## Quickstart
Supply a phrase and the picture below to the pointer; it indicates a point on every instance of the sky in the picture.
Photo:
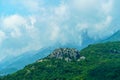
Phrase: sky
(28, 25)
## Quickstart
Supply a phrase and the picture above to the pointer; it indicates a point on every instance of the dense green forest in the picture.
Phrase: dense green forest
(95, 62)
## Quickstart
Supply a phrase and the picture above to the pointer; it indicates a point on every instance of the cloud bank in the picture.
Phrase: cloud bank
(35, 24)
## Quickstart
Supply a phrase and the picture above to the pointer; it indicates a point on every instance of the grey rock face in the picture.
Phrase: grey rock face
(67, 54)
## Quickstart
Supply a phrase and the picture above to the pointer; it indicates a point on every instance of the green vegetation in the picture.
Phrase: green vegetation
(96, 62)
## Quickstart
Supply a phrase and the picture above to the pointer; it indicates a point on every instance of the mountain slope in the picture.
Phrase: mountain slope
(96, 62)
(114, 37)
(21, 61)
(13, 64)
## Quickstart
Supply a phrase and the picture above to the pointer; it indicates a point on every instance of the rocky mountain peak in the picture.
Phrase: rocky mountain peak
(68, 54)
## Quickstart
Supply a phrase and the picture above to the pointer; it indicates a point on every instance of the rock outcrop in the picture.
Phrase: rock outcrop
(67, 54)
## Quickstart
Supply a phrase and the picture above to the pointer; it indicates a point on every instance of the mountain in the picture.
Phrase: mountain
(95, 62)
(114, 37)
(66, 54)
(19, 62)
(13, 64)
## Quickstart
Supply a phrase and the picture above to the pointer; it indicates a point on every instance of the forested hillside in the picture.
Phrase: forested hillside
(95, 62)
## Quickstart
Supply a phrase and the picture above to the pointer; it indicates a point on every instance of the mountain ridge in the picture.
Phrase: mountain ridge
(5, 69)
(94, 60)
(114, 37)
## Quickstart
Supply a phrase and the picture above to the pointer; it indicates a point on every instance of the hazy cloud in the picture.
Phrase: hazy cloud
(63, 23)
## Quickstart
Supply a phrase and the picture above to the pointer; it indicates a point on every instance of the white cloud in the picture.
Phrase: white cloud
(31, 5)
(107, 6)
(61, 10)
(13, 24)
(83, 4)
(64, 23)
(101, 29)
(16, 33)
(55, 32)
(93, 16)
(22, 30)
(82, 26)
(2, 58)
(2, 36)
(13, 21)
